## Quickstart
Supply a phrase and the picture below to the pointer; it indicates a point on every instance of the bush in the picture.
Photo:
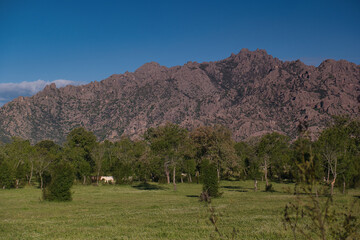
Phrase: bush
(62, 179)
(269, 188)
(210, 180)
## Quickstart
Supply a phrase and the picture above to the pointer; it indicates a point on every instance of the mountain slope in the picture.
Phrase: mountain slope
(251, 93)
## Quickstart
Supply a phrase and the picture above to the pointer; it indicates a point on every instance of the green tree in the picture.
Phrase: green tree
(168, 142)
(7, 176)
(332, 147)
(250, 163)
(216, 145)
(78, 149)
(313, 214)
(17, 157)
(301, 151)
(273, 150)
(109, 157)
(77, 156)
(123, 168)
(44, 154)
(339, 148)
(142, 161)
(98, 154)
(189, 167)
(349, 169)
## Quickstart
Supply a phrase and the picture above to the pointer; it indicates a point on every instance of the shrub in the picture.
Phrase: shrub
(62, 179)
(269, 188)
(210, 180)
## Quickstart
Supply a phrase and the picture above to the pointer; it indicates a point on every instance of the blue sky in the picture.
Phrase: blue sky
(80, 41)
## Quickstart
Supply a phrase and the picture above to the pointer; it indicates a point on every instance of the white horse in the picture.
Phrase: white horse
(107, 179)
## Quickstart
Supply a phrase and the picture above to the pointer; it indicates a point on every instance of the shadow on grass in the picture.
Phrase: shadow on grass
(236, 188)
(232, 187)
(357, 196)
(148, 186)
(269, 191)
(193, 196)
(312, 194)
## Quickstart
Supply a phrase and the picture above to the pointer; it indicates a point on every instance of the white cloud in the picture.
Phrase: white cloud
(9, 91)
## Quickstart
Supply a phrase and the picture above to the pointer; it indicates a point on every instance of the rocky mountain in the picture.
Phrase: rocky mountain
(250, 92)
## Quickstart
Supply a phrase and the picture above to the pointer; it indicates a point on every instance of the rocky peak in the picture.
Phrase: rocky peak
(149, 67)
(246, 53)
(51, 86)
(331, 65)
(150, 70)
(257, 57)
(250, 92)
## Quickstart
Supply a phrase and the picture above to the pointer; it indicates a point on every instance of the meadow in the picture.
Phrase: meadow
(148, 212)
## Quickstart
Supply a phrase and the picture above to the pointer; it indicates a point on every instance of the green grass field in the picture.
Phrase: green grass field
(127, 212)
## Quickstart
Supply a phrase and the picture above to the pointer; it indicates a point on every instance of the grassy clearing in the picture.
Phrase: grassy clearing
(127, 212)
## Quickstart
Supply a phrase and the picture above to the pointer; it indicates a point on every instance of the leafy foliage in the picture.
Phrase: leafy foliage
(7, 177)
(169, 143)
(62, 178)
(313, 214)
(210, 180)
(78, 151)
(215, 144)
(172, 153)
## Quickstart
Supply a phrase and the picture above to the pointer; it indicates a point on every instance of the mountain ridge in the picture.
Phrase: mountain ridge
(250, 92)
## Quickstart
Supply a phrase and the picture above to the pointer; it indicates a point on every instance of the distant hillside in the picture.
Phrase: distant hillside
(252, 93)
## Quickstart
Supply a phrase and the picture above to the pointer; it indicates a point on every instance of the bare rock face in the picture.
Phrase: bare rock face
(251, 93)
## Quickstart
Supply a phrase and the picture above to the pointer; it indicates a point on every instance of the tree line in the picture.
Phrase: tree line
(171, 154)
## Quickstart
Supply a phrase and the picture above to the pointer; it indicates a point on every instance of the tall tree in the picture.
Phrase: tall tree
(353, 178)
(123, 169)
(78, 151)
(6, 174)
(17, 155)
(339, 150)
(215, 144)
(77, 157)
(109, 157)
(168, 142)
(273, 149)
(142, 160)
(44, 154)
(248, 160)
(189, 167)
(97, 154)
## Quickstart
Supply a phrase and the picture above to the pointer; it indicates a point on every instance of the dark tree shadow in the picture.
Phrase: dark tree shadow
(148, 186)
(232, 187)
(270, 191)
(192, 196)
(237, 188)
